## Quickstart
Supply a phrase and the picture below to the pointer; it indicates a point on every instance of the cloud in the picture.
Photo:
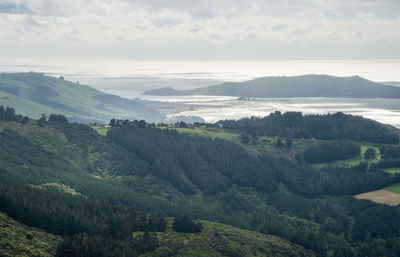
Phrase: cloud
(208, 23)
(14, 7)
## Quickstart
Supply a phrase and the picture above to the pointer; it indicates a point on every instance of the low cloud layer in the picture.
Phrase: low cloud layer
(205, 29)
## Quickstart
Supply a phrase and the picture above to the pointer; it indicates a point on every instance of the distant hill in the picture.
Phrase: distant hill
(392, 83)
(298, 86)
(33, 94)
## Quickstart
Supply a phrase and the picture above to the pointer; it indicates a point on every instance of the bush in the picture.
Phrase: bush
(187, 225)
(244, 138)
(279, 143)
(57, 118)
(370, 154)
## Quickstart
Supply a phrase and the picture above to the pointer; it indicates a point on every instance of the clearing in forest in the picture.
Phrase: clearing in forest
(381, 196)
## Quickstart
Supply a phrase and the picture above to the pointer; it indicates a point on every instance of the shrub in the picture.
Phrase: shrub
(187, 225)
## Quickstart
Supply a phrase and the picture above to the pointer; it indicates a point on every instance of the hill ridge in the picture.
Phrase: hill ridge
(33, 94)
(310, 85)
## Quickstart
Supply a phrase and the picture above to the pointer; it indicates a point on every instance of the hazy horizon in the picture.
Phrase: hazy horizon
(91, 69)
(128, 47)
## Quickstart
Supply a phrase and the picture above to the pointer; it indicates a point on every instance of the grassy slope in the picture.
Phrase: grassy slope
(150, 193)
(222, 240)
(27, 107)
(32, 94)
(215, 240)
(392, 170)
(353, 161)
(394, 188)
(100, 129)
(14, 241)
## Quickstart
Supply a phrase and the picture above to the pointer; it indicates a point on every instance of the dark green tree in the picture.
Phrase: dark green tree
(244, 138)
(42, 120)
(2, 112)
(370, 154)
(187, 225)
(9, 114)
(113, 122)
(57, 118)
(279, 143)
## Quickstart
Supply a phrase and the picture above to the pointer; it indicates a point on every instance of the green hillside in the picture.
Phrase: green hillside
(72, 162)
(298, 86)
(102, 190)
(222, 240)
(19, 240)
(215, 240)
(33, 94)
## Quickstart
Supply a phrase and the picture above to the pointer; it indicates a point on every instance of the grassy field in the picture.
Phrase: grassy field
(100, 129)
(222, 240)
(392, 170)
(19, 240)
(210, 132)
(353, 161)
(395, 188)
(200, 131)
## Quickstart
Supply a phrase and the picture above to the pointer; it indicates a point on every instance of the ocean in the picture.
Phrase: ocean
(130, 78)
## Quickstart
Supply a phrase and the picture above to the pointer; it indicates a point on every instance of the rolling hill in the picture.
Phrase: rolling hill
(215, 240)
(222, 240)
(298, 86)
(101, 191)
(33, 94)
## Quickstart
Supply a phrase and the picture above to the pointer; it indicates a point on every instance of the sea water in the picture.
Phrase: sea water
(130, 78)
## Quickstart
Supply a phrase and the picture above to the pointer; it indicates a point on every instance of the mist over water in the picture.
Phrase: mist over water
(130, 78)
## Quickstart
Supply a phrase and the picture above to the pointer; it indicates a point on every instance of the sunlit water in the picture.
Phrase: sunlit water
(130, 78)
(383, 110)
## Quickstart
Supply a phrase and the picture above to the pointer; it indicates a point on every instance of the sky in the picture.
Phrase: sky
(201, 29)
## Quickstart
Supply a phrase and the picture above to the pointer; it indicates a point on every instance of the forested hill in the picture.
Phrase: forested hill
(135, 190)
(298, 86)
(328, 127)
(33, 94)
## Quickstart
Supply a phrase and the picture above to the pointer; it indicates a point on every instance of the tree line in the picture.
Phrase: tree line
(332, 151)
(8, 114)
(390, 152)
(326, 127)
(193, 163)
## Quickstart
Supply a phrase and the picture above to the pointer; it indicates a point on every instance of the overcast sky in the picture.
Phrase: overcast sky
(201, 29)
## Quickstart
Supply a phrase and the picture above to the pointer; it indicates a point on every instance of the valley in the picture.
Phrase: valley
(56, 174)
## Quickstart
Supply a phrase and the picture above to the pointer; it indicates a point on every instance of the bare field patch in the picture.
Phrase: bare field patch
(381, 196)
